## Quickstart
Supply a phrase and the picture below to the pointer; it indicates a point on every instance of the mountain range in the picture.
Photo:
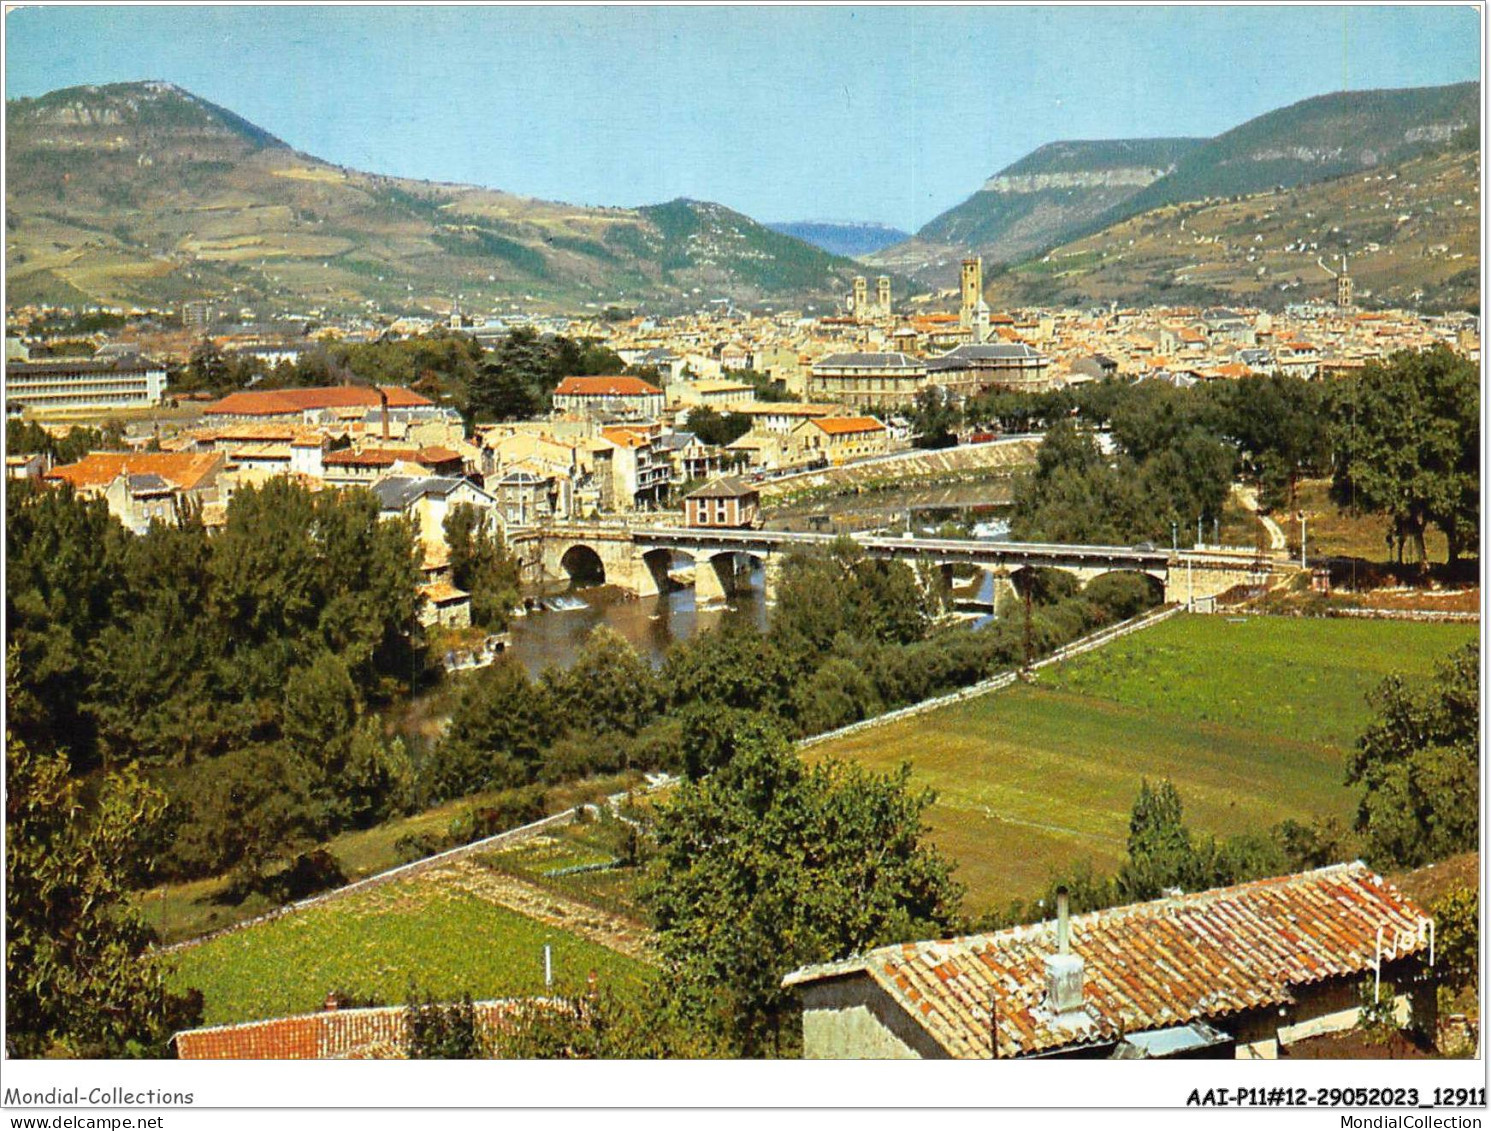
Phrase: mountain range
(143, 193)
(1068, 190)
(840, 237)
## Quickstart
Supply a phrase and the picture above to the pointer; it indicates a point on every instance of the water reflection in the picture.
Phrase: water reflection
(649, 624)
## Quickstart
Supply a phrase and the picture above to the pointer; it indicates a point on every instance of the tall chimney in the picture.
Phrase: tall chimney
(1064, 969)
(1063, 922)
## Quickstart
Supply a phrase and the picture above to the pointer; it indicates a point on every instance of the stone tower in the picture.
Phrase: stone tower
(1343, 287)
(973, 290)
(882, 296)
(861, 298)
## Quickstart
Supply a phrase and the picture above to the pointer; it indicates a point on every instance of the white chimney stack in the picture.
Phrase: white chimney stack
(1064, 969)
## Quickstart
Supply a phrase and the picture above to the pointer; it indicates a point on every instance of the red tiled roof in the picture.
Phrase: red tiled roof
(286, 402)
(340, 1034)
(1147, 965)
(606, 387)
(845, 425)
(184, 470)
(369, 457)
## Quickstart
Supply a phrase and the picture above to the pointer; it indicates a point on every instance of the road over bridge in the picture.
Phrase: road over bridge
(643, 558)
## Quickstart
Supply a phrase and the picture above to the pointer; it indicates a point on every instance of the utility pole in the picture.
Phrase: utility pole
(1029, 649)
(1198, 531)
(1174, 537)
(1302, 540)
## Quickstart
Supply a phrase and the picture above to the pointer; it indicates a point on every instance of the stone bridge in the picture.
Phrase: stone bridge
(648, 560)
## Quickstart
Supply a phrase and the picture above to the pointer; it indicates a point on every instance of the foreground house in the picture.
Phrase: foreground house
(1234, 971)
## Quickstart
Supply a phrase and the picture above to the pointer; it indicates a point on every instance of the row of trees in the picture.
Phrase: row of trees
(240, 672)
(511, 381)
(1400, 439)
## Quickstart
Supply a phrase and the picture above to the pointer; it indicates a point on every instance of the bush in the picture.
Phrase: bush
(308, 873)
(1378, 1020)
(416, 846)
(509, 810)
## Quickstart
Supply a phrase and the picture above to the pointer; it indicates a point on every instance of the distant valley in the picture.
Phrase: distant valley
(842, 238)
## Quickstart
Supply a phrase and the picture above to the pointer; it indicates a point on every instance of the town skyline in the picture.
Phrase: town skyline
(629, 107)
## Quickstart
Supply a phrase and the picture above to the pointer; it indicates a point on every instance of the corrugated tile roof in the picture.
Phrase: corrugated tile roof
(1148, 965)
(184, 470)
(286, 402)
(339, 1034)
(620, 386)
(846, 425)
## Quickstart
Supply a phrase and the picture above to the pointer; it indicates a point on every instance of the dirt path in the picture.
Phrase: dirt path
(597, 926)
(1248, 496)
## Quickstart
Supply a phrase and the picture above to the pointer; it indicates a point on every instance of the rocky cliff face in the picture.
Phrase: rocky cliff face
(1102, 178)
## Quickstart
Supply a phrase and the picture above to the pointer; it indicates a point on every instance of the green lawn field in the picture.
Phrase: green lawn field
(374, 943)
(1251, 718)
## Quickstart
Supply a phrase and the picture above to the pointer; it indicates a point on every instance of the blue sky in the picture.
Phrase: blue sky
(862, 113)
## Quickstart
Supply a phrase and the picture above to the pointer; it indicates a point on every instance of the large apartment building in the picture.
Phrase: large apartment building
(78, 383)
(868, 380)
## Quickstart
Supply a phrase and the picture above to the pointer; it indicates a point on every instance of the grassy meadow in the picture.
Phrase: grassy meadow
(1251, 718)
(446, 941)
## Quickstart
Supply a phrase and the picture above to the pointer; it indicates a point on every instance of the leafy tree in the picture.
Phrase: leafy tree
(1407, 441)
(1160, 851)
(515, 381)
(1419, 765)
(1281, 427)
(207, 369)
(1457, 922)
(770, 863)
(715, 428)
(620, 1022)
(841, 590)
(60, 586)
(498, 733)
(77, 980)
(444, 1030)
(837, 694)
(609, 689)
(246, 810)
(481, 564)
(933, 418)
(734, 666)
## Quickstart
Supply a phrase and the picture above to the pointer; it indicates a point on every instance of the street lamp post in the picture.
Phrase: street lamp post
(1302, 540)
(1174, 537)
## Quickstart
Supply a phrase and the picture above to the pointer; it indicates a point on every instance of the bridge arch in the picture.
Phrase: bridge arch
(724, 573)
(660, 564)
(583, 566)
(1127, 592)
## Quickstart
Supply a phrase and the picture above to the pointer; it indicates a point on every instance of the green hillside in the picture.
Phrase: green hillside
(1411, 233)
(1063, 193)
(143, 193)
(1321, 138)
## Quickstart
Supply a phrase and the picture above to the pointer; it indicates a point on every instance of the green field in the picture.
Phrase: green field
(1250, 718)
(374, 943)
